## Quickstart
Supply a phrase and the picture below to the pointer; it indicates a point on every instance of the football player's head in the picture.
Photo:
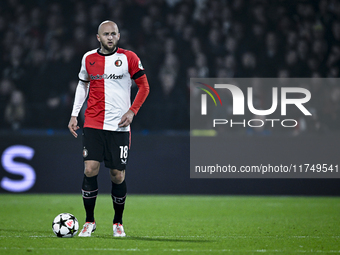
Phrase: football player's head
(108, 36)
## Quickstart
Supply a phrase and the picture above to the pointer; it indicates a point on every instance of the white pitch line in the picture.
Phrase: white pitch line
(175, 250)
(205, 237)
(209, 237)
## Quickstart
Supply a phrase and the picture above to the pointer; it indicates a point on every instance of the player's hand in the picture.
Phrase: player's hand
(126, 119)
(73, 126)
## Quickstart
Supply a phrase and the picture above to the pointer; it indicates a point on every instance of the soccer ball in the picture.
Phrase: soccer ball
(65, 225)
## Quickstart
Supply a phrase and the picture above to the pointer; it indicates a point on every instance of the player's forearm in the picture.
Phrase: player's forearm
(80, 96)
(143, 92)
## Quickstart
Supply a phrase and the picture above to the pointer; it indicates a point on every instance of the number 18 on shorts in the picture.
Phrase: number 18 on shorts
(109, 146)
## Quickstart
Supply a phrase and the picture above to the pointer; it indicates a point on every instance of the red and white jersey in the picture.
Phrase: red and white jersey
(110, 87)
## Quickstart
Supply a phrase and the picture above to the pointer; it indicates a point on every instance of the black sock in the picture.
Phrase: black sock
(89, 192)
(118, 194)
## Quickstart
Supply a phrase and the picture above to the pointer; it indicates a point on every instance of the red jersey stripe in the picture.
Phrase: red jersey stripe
(95, 112)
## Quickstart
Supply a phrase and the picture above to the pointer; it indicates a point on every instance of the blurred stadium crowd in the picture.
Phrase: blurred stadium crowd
(42, 43)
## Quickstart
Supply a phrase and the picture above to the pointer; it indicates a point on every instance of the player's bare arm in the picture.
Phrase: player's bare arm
(126, 119)
(73, 126)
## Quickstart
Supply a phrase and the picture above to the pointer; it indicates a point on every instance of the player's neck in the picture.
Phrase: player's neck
(105, 51)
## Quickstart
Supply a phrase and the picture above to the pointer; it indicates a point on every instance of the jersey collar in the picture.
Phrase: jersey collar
(109, 54)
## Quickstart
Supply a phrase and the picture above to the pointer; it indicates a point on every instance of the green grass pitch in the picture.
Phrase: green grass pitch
(176, 225)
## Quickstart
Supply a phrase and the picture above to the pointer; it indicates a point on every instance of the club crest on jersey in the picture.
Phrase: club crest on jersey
(118, 63)
(85, 153)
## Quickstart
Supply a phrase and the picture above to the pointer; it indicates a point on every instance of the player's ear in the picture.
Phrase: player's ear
(98, 38)
(118, 36)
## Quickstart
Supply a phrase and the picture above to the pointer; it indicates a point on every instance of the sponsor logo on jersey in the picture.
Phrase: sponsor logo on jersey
(92, 63)
(123, 161)
(118, 63)
(106, 76)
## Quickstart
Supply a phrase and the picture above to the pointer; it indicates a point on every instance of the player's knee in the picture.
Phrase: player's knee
(117, 176)
(91, 170)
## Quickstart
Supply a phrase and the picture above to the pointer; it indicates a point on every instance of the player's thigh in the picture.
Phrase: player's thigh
(93, 144)
(117, 150)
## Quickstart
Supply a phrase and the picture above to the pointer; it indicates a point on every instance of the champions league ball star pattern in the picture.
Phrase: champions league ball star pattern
(65, 225)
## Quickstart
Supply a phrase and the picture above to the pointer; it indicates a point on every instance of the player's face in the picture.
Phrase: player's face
(108, 36)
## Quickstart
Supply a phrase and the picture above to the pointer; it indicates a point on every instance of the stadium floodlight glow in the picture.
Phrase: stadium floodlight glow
(18, 168)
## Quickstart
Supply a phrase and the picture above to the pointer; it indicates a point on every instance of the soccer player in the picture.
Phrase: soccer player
(105, 76)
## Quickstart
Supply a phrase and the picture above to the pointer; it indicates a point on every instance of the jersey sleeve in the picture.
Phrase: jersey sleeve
(143, 92)
(135, 65)
(83, 75)
(82, 91)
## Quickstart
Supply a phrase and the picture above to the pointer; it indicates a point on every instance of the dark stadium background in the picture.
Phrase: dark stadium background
(42, 43)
